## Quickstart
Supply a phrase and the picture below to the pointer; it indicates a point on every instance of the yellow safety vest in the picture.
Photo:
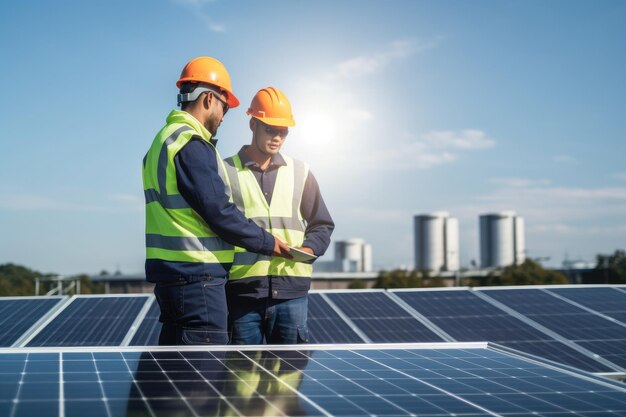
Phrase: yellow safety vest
(281, 217)
(174, 231)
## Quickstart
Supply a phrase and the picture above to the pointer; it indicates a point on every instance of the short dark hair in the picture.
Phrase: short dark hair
(186, 88)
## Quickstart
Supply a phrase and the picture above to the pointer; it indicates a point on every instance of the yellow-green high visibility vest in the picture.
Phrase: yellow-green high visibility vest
(281, 217)
(174, 231)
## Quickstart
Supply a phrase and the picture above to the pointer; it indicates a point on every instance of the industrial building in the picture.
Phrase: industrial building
(501, 240)
(436, 242)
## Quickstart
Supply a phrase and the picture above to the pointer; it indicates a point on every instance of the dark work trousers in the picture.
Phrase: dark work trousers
(254, 321)
(193, 313)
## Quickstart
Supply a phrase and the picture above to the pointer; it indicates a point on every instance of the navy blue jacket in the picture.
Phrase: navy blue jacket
(202, 188)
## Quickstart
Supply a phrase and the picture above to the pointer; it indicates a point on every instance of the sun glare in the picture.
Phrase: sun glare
(316, 128)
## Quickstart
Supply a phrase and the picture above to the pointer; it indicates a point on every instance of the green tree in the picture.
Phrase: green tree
(19, 280)
(398, 278)
(357, 284)
(612, 268)
(527, 273)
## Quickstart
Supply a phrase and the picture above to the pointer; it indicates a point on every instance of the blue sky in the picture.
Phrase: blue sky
(402, 107)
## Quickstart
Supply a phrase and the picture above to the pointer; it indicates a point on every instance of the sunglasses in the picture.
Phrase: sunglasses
(273, 131)
(225, 106)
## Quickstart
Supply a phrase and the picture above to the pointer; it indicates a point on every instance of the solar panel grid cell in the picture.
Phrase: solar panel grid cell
(91, 321)
(609, 301)
(467, 318)
(18, 315)
(381, 319)
(148, 332)
(326, 326)
(586, 329)
(427, 382)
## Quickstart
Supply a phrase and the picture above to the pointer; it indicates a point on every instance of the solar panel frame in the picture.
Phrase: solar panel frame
(59, 325)
(433, 379)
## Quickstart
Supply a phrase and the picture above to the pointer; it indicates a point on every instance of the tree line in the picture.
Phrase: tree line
(609, 269)
(20, 280)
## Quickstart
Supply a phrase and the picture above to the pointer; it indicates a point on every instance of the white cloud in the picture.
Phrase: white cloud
(554, 205)
(28, 202)
(561, 229)
(131, 200)
(465, 139)
(197, 7)
(369, 215)
(518, 182)
(619, 176)
(431, 149)
(372, 63)
(565, 159)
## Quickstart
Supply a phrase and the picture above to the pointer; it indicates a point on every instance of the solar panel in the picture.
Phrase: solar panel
(325, 324)
(18, 314)
(594, 333)
(460, 379)
(148, 332)
(468, 318)
(381, 318)
(608, 301)
(91, 321)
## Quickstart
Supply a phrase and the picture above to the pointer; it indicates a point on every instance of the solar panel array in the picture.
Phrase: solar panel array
(580, 326)
(373, 380)
(467, 317)
(603, 337)
(382, 319)
(19, 314)
(326, 325)
(92, 321)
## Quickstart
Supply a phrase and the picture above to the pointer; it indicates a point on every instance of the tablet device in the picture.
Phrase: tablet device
(300, 255)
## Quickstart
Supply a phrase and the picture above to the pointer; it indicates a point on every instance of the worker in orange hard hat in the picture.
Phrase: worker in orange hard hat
(192, 227)
(267, 297)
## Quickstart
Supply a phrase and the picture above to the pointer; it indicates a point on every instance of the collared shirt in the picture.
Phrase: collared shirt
(319, 223)
(319, 227)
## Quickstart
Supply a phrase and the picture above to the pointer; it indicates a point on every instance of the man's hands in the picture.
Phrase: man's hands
(281, 249)
(307, 250)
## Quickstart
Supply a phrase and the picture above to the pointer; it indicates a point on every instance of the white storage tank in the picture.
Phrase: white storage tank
(353, 255)
(501, 239)
(436, 242)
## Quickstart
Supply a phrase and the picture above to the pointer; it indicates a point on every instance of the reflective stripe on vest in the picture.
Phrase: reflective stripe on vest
(281, 217)
(174, 231)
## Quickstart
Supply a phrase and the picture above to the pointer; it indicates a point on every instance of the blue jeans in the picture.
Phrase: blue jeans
(253, 321)
(193, 313)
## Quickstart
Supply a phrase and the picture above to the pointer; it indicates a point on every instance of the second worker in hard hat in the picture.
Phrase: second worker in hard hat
(267, 297)
(191, 226)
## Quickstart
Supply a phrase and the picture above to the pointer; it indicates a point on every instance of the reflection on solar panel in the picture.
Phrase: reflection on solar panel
(150, 328)
(376, 380)
(326, 326)
(91, 321)
(17, 315)
(609, 301)
(380, 318)
(469, 318)
(595, 333)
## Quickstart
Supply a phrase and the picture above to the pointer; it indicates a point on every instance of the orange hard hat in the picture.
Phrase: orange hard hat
(205, 69)
(271, 106)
